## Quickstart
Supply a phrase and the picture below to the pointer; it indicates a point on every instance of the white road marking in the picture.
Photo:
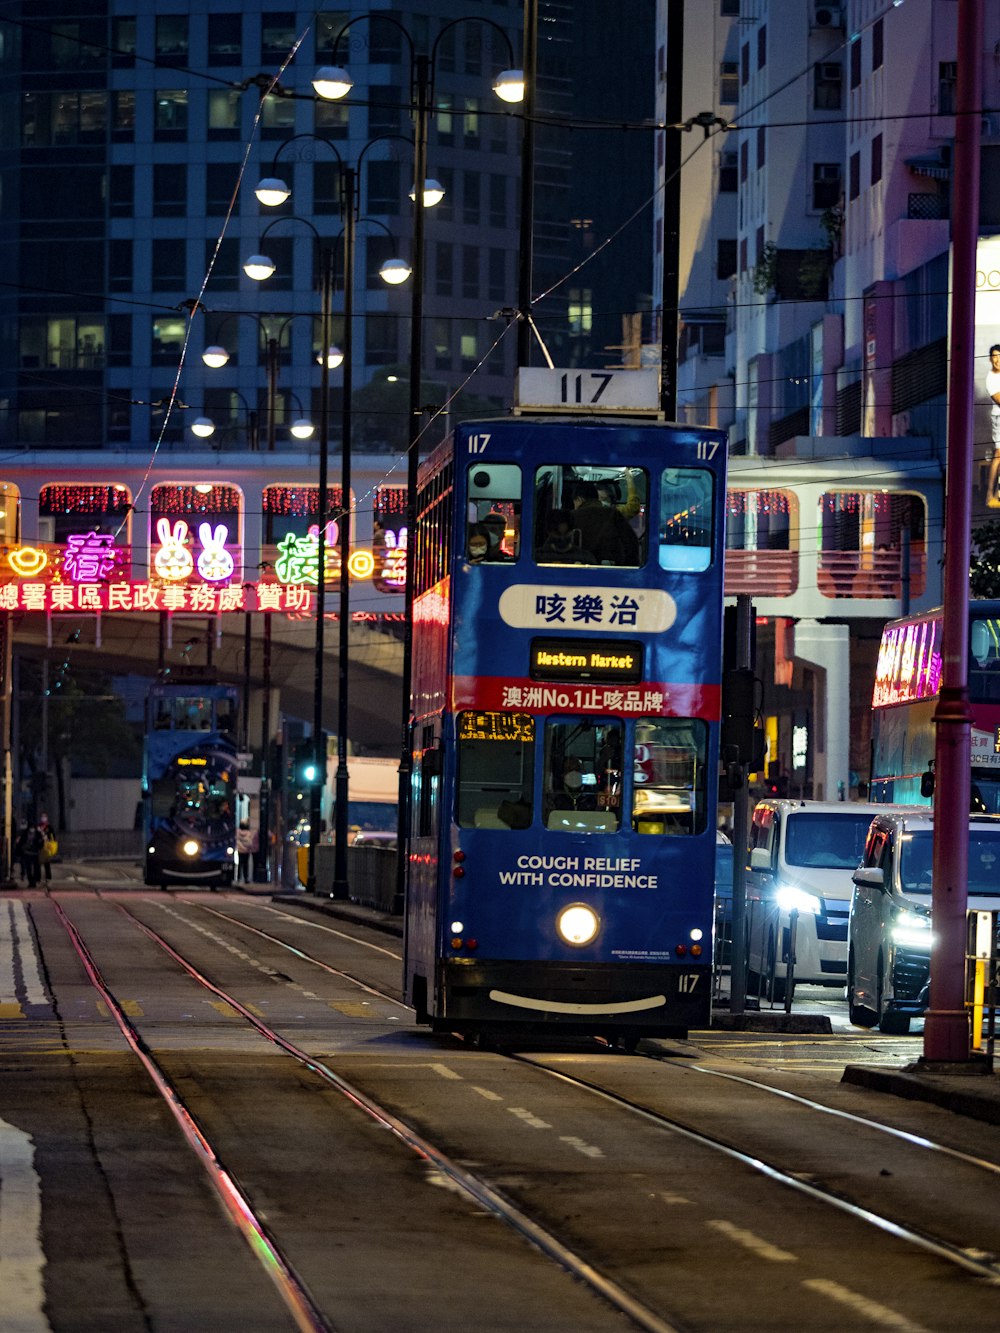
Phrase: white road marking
(528, 1117)
(22, 1259)
(490, 1096)
(343, 934)
(673, 1198)
(8, 991)
(588, 1149)
(869, 1309)
(762, 1248)
(445, 1072)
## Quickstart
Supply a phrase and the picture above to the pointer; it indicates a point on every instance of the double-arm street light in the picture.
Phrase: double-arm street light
(333, 82)
(215, 356)
(259, 267)
(273, 191)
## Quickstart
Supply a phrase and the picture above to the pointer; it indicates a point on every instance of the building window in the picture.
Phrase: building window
(171, 39)
(761, 146)
(62, 344)
(725, 258)
(745, 64)
(498, 200)
(876, 159)
(169, 264)
(729, 8)
(826, 185)
(443, 269)
(122, 42)
(762, 46)
(120, 191)
(277, 37)
(854, 187)
(441, 338)
(743, 254)
(168, 339)
(470, 198)
(326, 185)
(729, 81)
(277, 117)
(169, 189)
(123, 115)
(828, 85)
(744, 160)
(120, 265)
(728, 173)
(497, 281)
(220, 183)
(878, 43)
(856, 62)
(223, 113)
(384, 109)
(468, 342)
(330, 119)
(224, 39)
(580, 311)
(170, 116)
(470, 271)
(947, 86)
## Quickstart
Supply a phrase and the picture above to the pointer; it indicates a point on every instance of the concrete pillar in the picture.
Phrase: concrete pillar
(827, 647)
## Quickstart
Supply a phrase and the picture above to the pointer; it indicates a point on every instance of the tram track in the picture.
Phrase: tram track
(968, 1258)
(292, 1288)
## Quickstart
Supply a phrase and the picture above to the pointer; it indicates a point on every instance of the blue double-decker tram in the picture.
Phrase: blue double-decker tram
(189, 784)
(566, 702)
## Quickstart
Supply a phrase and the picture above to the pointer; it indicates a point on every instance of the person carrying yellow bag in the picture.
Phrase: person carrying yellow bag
(50, 847)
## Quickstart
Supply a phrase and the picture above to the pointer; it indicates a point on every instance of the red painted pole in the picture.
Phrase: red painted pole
(946, 1032)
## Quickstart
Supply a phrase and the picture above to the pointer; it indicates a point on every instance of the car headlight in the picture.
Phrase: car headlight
(912, 930)
(190, 847)
(791, 899)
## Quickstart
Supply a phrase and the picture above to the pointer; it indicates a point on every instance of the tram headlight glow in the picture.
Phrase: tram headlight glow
(578, 924)
(190, 848)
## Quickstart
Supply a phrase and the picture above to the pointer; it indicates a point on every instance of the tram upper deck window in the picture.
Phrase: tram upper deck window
(590, 515)
(668, 776)
(495, 787)
(583, 776)
(686, 519)
(493, 514)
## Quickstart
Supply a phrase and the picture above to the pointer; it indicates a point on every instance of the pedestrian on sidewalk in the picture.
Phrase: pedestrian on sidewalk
(31, 850)
(246, 846)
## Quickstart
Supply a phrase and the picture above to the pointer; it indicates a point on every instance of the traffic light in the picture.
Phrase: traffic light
(304, 769)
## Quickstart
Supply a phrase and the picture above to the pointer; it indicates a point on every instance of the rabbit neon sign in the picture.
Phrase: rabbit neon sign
(174, 562)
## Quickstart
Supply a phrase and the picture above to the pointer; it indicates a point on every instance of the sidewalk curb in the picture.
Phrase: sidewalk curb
(345, 911)
(973, 1095)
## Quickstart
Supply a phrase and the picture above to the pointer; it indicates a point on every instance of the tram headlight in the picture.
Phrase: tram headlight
(578, 924)
(190, 847)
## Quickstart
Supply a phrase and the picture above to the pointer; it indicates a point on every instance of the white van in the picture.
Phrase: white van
(802, 857)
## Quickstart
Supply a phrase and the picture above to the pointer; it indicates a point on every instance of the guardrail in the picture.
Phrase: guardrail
(763, 986)
(982, 979)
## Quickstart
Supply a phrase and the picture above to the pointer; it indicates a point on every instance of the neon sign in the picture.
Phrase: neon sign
(92, 557)
(173, 562)
(27, 561)
(215, 564)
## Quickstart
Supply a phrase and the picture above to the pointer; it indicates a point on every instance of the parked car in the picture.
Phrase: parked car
(802, 856)
(889, 936)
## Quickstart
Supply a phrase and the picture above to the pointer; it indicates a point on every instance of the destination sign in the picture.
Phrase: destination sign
(496, 726)
(583, 659)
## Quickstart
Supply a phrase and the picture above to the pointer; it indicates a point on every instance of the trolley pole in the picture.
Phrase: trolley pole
(946, 1030)
(741, 830)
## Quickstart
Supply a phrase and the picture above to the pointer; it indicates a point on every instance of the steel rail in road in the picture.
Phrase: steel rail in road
(474, 1187)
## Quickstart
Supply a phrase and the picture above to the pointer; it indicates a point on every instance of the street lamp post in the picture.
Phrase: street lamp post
(260, 267)
(333, 83)
(273, 191)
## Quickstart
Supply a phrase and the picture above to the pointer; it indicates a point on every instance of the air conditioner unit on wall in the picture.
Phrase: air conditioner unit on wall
(828, 16)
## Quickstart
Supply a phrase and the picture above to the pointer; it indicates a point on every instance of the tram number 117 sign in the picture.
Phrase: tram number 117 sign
(588, 390)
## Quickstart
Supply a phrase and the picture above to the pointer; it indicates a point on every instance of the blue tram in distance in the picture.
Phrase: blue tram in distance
(189, 784)
(567, 647)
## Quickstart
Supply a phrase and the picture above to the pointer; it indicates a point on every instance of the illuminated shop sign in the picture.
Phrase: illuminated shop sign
(579, 659)
(909, 663)
(197, 598)
(495, 726)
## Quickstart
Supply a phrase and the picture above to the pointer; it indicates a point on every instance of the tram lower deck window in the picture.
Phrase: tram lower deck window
(583, 776)
(668, 776)
(496, 759)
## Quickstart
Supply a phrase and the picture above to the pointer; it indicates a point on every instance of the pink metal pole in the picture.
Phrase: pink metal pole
(946, 1032)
